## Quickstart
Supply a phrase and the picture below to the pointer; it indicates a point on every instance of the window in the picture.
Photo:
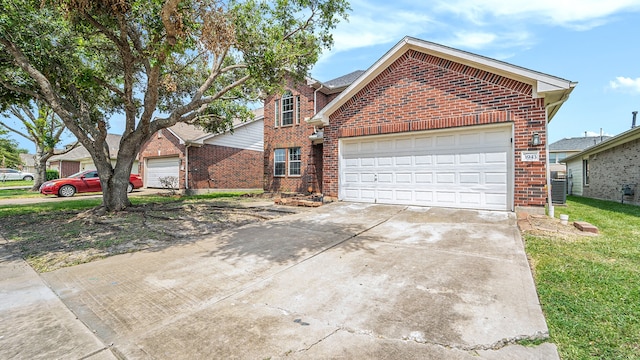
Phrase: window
(585, 169)
(287, 108)
(279, 162)
(294, 161)
(277, 113)
(556, 158)
(298, 109)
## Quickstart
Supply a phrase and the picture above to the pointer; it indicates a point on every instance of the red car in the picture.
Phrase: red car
(84, 181)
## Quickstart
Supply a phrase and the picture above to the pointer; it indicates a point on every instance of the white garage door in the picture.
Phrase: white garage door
(160, 169)
(466, 168)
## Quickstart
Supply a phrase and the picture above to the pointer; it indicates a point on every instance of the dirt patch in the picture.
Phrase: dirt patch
(542, 225)
(55, 240)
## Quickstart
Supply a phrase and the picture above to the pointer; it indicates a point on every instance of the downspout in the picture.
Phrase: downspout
(546, 149)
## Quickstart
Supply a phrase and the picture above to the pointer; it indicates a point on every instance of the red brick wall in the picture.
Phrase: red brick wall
(296, 135)
(166, 145)
(210, 166)
(422, 92)
(221, 167)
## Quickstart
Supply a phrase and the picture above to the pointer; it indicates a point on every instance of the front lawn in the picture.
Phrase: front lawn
(13, 183)
(589, 287)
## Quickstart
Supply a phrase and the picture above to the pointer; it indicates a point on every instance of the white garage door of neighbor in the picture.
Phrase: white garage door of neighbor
(162, 168)
(466, 168)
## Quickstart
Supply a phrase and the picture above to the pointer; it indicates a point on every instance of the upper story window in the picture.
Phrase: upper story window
(287, 110)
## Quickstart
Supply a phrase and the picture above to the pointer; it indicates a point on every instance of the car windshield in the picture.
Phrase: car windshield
(77, 175)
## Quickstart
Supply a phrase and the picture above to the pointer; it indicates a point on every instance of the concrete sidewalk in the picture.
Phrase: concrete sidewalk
(353, 281)
(35, 324)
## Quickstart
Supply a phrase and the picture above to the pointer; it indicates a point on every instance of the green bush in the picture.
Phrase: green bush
(52, 174)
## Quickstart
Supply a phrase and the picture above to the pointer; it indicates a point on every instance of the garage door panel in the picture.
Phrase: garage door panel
(495, 158)
(462, 168)
(496, 178)
(445, 178)
(471, 199)
(423, 160)
(470, 178)
(424, 178)
(404, 178)
(385, 161)
(385, 178)
(161, 168)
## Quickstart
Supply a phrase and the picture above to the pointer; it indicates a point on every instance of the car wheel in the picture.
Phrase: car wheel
(130, 187)
(67, 191)
(28, 178)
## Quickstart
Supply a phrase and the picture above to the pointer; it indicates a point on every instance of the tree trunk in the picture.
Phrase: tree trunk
(114, 183)
(40, 164)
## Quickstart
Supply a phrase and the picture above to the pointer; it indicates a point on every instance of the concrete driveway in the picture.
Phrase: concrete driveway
(342, 281)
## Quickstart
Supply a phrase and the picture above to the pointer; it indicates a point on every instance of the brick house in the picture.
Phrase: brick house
(79, 158)
(425, 125)
(198, 162)
(605, 170)
(566, 147)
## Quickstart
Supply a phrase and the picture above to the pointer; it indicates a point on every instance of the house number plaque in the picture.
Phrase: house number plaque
(530, 156)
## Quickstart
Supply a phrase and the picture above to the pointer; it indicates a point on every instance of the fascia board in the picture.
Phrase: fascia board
(612, 142)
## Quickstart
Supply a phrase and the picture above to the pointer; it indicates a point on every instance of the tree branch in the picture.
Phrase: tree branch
(12, 87)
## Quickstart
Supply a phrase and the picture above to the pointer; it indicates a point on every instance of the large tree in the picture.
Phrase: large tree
(157, 62)
(9, 152)
(43, 128)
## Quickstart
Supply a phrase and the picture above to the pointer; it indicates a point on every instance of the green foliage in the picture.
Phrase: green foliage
(9, 152)
(52, 174)
(588, 286)
(194, 61)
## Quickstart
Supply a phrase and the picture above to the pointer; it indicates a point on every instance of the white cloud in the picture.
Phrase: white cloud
(579, 14)
(625, 84)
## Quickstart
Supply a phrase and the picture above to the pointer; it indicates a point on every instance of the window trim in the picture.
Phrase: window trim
(276, 113)
(585, 172)
(276, 162)
(287, 108)
(290, 153)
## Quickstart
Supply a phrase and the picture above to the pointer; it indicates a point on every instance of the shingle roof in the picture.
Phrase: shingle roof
(344, 80)
(81, 152)
(577, 143)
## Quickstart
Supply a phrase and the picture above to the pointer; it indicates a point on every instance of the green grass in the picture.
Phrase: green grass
(82, 204)
(11, 183)
(18, 193)
(589, 287)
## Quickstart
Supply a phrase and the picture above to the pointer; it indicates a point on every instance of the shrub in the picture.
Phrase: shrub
(52, 174)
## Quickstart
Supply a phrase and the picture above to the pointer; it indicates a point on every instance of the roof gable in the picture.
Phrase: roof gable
(620, 139)
(80, 152)
(553, 89)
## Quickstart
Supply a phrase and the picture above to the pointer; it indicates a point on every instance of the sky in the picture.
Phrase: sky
(592, 42)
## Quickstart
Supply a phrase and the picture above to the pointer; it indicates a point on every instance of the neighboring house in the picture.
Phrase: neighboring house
(425, 125)
(28, 163)
(198, 161)
(560, 149)
(79, 158)
(604, 170)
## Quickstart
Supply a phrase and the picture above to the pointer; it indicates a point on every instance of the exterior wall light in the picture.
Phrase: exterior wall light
(535, 139)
